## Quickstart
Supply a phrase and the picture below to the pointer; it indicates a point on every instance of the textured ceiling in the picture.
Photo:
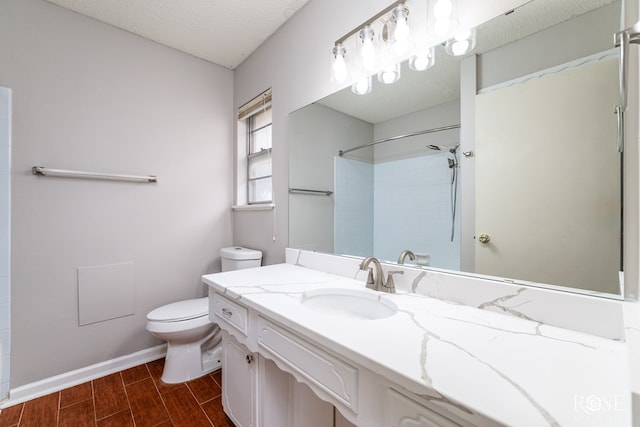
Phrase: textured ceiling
(224, 32)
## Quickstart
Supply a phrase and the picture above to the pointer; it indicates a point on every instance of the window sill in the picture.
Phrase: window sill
(262, 207)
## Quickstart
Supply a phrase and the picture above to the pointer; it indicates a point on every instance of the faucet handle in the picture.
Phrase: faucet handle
(390, 285)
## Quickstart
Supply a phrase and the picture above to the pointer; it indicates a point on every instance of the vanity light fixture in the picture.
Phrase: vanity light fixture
(462, 43)
(380, 43)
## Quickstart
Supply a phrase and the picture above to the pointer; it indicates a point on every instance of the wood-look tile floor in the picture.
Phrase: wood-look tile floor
(134, 397)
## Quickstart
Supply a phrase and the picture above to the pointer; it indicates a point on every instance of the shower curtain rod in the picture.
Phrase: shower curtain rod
(393, 138)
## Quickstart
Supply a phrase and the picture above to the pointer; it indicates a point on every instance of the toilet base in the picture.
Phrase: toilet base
(185, 362)
(212, 359)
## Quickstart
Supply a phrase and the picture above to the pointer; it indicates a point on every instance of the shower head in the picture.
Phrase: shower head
(441, 148)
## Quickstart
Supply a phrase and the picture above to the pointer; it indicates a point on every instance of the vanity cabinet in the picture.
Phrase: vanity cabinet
(255, 391)
(322, 363)
(275, 377)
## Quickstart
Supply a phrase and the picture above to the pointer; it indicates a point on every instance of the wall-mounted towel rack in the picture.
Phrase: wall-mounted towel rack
(43, 171)
(310, 192)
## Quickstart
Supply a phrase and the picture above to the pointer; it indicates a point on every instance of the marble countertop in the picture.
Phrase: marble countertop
(512, 370)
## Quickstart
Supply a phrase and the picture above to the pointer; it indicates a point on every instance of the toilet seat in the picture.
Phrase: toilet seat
(180, 311)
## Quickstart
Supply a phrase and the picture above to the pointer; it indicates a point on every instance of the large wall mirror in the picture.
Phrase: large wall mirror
(539, 179)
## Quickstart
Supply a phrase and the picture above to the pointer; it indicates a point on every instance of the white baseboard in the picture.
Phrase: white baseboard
(82, 375)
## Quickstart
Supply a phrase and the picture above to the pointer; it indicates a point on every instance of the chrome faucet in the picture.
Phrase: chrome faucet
(377, 282)
(371, 283)
(404, 254)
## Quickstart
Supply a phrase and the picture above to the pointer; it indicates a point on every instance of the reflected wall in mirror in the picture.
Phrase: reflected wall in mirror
(543, 166)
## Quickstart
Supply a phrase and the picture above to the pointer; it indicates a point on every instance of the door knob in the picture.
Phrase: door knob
(484, 238)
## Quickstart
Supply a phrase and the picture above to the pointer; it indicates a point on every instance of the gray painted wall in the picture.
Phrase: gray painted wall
(5, 241)
(317, 133)
(92, 97)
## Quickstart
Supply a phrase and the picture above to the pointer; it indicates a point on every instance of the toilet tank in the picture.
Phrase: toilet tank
(237, 258)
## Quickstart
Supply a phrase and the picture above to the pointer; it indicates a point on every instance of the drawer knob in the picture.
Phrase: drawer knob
(249, 359)
(226, 312)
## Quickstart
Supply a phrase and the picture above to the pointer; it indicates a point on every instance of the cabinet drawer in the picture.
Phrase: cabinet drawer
(404, 412)
(334, 376)
(234, 314)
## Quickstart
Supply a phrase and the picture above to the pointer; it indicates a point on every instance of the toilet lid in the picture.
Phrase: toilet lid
(181, 310)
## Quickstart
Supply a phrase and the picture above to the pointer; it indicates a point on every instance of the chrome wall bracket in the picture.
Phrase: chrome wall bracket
(622, 40)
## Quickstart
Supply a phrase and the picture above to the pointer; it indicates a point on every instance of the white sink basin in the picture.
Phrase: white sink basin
(349, 303)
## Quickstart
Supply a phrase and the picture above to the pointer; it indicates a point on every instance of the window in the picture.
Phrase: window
(254, 132)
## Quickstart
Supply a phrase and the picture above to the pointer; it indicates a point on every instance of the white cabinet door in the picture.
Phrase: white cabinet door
(239, 382)
(308, 409)
(274, 404)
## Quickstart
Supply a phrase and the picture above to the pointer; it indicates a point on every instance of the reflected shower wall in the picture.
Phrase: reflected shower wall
(412, 210)
(354, 201)
(384, 208)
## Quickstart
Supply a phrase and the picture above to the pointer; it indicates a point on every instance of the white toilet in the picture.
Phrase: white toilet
(193, 341)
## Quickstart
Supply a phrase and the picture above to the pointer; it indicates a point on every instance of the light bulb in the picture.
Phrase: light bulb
(422, 61)
(388, 77)
(443, 17)
(339, 66)
(443, 9)
(367, 50)
(401, 35)
(368, 53)
(401, 31)
(442, 27)
(401, 47)
(362, 86)
(459, 47)
(390, 74)
(462, 43)
(340, 70)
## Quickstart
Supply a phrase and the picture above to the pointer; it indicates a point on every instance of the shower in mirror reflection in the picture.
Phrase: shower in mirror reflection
(453, 166)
